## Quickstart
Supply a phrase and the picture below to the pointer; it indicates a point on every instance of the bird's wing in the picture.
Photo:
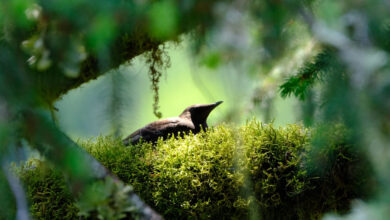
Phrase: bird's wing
(160, 128)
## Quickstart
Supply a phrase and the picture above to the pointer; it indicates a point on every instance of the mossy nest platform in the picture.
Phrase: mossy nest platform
(254, 171)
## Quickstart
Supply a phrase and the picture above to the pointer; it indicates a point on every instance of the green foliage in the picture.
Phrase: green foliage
(47, 192)
(308, 75)
(102, 30)
(7, 201)
(163, 18)
(212, 60)
(50, 197)
(274, 18)
(105, 200)
(338, 161)
(229, 172)
(46, 50)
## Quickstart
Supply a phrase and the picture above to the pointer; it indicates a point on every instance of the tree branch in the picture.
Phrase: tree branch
(81, 167)
(35, 126)
(131, 36)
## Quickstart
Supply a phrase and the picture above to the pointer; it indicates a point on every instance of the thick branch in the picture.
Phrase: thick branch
(131, 37)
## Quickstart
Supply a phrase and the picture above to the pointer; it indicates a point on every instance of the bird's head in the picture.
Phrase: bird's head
(198, 113)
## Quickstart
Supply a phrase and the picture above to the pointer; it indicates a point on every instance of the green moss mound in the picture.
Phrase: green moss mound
(253, 171)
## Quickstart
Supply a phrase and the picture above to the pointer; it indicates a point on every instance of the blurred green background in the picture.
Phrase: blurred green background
(333, 56)
(85, 112)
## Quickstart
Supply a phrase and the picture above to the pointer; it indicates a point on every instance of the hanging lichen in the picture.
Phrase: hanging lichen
(158, 60)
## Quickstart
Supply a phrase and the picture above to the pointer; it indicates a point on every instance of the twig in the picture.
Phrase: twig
(20, 197)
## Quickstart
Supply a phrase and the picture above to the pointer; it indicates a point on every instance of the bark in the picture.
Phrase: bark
(131, 38)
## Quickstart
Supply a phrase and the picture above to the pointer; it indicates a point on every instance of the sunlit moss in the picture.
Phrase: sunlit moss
(228, 172)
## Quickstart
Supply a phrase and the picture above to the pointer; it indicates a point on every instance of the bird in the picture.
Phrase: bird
(193, 119)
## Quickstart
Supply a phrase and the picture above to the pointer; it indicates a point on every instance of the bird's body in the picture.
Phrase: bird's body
(193, 118)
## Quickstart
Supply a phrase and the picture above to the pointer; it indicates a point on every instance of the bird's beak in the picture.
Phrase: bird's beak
(213, 106)
(217, 103)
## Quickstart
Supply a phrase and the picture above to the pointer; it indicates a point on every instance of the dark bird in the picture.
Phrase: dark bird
(193, 118)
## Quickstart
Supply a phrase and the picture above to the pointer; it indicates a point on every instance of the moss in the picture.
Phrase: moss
(47, 192)
(274, 157)
(158, 60)
(227, 172)
(338, 168)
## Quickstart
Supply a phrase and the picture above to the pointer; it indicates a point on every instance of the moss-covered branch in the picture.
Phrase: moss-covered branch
(70, 43)
(256, 170)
